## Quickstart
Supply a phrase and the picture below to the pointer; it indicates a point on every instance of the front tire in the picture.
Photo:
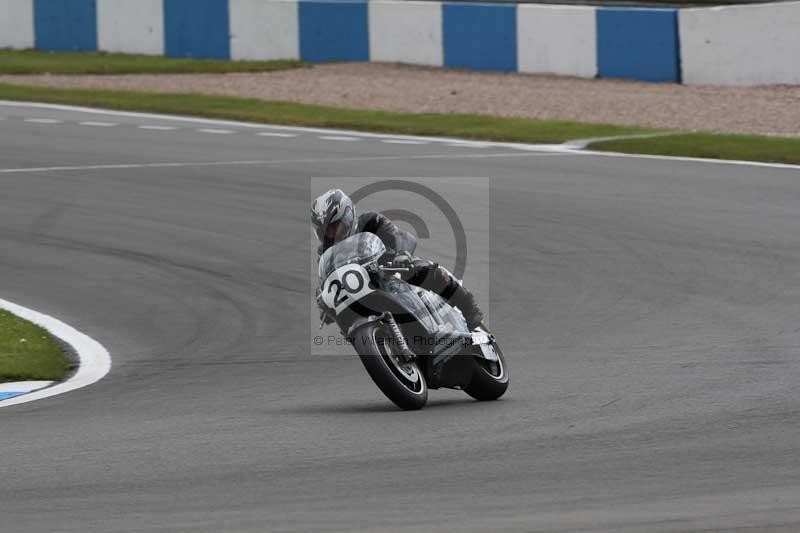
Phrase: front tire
(489, 379)
(400, 381)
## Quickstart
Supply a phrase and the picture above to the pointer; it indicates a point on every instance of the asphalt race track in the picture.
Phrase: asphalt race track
(649, 310)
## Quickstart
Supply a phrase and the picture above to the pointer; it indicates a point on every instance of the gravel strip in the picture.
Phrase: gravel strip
(773, 110)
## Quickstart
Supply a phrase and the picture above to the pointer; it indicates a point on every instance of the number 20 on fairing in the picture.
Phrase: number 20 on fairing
(345, 285)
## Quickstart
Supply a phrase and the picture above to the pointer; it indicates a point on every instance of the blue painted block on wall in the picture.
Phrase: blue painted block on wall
(197, 28)
(640, 44)
(333, 31)
(480, 36)
(65, 25)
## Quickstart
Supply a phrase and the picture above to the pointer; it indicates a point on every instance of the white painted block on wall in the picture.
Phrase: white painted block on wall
(741, 45)
(406, 32)
(557, 40)
(264, 29)
(16, 24)
(130, 26)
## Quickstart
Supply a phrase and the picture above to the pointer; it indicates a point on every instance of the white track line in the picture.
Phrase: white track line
(215, 131)
(402, 141)
(551, 148)
(338, 138)
(157, 128)
(94, 359)
(468, 144)
(686, 159)
(43, 121)
(257, 162)
(98, 124)
(273, 127)
(580, 144)
(272, 134)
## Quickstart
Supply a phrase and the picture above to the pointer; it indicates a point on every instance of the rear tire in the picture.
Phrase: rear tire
(489, 379)
(401, 382)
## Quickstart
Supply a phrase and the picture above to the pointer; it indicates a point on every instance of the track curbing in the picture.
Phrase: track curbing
(95, 361)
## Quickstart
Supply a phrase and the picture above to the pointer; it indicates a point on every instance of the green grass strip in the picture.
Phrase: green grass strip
(28, 352)
(481, 127)
(36, 62)
(711, 146)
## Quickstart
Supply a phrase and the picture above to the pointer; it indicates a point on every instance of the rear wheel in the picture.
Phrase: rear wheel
(489, 378)
(400, 380)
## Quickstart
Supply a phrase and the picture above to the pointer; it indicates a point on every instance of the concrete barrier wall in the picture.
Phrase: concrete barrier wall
(741, 45)
(264, 30)
(132, 27)
(480, 36)
(406, 32)
(729, 45)
(638, 44)
(65, 25)
(557, 39)
(16, 24)
(333, 31)
(197, 28)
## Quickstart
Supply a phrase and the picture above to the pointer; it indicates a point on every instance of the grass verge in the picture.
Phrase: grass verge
(28, 352)
(481, 127)
(36, 62)
(711, 146)
(478, 127)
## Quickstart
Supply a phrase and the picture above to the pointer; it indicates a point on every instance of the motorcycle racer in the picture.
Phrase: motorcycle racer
(334, 218)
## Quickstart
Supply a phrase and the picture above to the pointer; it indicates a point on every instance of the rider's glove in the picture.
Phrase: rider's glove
(325, 317)
(325, 314)
(402, 260)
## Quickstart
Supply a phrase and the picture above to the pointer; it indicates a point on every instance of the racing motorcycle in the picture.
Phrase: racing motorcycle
(409, 339)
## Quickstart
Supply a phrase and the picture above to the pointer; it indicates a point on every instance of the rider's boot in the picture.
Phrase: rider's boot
(433, 277)
(465, 302)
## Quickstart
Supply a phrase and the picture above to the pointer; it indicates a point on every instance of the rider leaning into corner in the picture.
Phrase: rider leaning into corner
(334, 218)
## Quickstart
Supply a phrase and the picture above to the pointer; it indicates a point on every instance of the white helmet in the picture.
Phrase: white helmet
(333, 216)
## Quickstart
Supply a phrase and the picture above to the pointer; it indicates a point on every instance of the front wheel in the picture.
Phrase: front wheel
(489, 378)
(400, 381)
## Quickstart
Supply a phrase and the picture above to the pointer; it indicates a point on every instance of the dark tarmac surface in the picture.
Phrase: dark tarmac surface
(648, 309)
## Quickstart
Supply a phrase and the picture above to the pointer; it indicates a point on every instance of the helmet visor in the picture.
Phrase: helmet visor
(336, 230)
(332, 232)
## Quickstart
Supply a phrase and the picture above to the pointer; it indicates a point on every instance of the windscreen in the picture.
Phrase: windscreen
(361, 248)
